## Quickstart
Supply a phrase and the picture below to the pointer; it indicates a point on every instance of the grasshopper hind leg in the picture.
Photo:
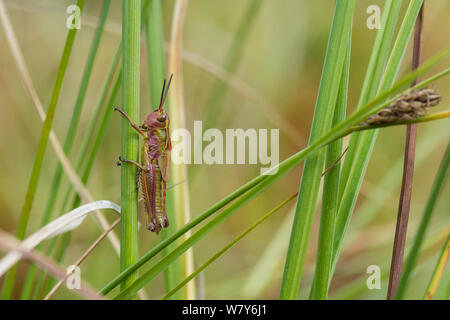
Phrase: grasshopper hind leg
(138, 178)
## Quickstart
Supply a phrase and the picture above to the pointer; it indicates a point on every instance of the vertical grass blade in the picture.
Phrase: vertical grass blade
(319, 290)
(309, 186)
(43, 140)
(424, 223)
(131, 29)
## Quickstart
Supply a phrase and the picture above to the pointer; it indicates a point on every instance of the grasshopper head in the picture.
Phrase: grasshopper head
(159, 118)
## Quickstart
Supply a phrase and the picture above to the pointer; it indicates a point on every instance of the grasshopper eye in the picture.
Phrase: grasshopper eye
(161, 118)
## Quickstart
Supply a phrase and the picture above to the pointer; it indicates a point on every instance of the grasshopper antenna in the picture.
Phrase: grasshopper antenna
(164, 92)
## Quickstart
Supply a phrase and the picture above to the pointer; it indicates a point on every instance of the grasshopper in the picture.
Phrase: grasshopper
(153, 171)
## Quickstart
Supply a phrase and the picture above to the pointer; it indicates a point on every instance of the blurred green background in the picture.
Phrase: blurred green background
(281, 61)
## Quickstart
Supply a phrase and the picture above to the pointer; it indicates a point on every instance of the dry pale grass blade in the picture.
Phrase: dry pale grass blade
(177, 117)
(10, 243)
(68, 168)
(64, 223)
(82, 258)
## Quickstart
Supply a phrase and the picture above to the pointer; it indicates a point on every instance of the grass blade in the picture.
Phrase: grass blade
(309, 186)
(319, 289)
(131, 29)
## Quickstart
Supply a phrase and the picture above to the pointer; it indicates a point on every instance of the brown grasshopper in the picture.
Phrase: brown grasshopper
(153, 171)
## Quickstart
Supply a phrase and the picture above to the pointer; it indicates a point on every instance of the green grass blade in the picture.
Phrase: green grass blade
(286, 165)
(228, 246)
(424, 223)
(43, 140)
(231, 62)
(438, 270)
(155, 50)
(131, 29)
(309, 186)
(319, 290)
(364, 145)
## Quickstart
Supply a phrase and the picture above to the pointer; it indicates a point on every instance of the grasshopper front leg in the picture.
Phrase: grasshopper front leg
(132, 123)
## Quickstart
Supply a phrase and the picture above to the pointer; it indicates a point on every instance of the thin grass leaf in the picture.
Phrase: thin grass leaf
(438, 270)
(228, 246)
(319, 290)
(310, 181)
(424, 223)
(262, 181)
(43, 140)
